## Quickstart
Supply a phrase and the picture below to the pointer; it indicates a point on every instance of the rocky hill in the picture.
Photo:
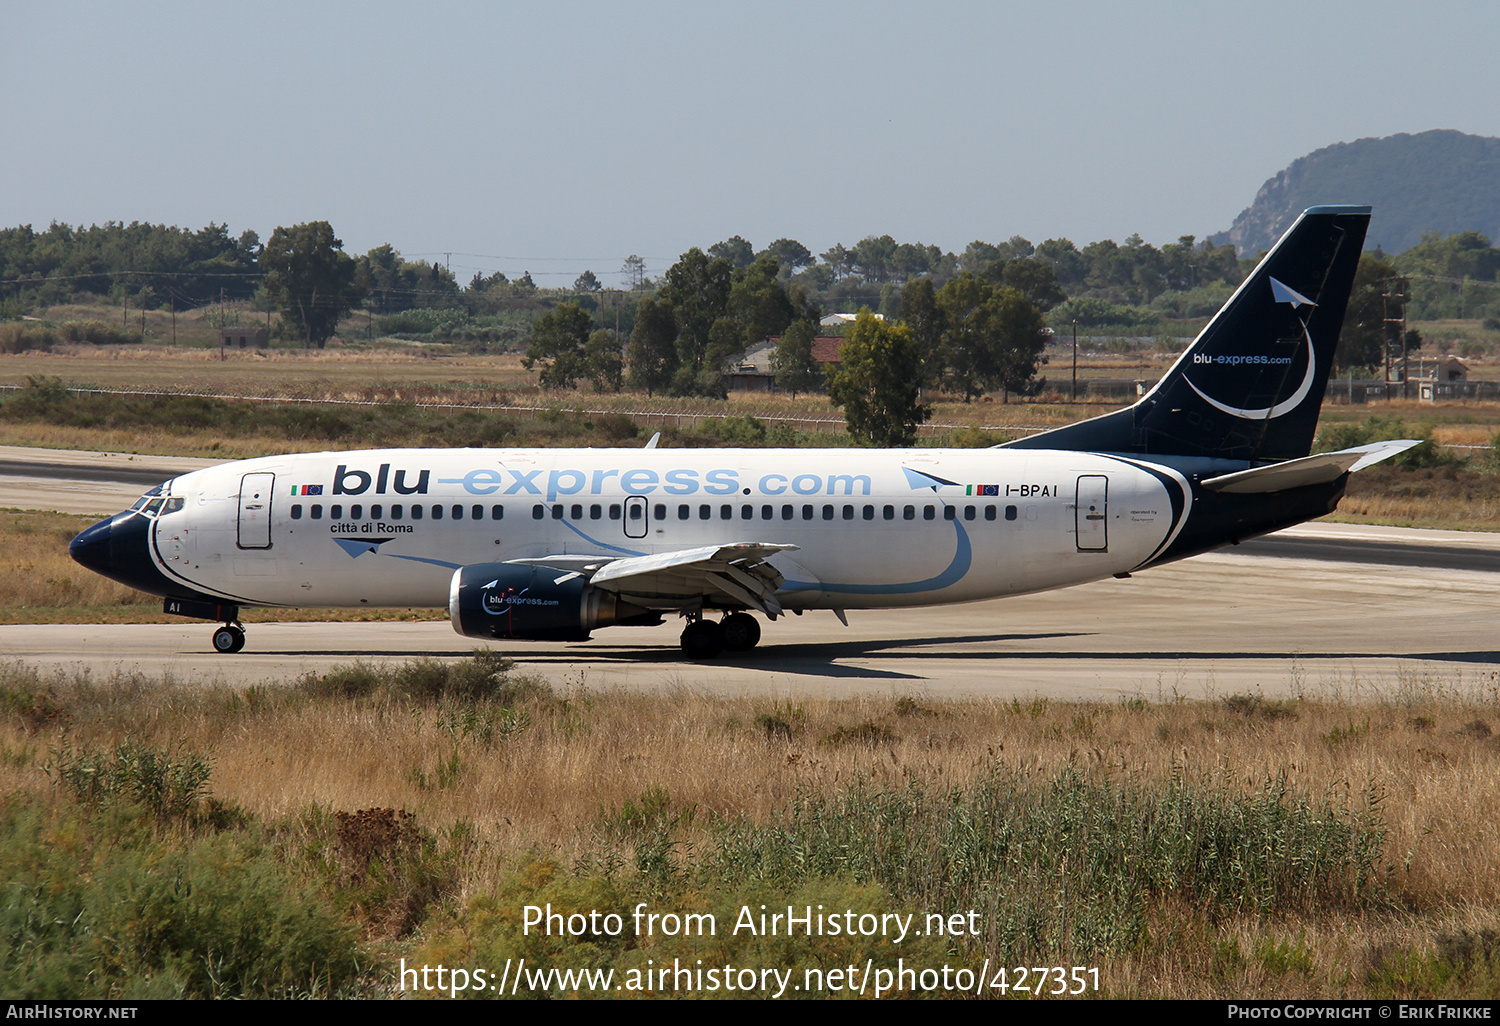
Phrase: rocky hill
(1442, 181)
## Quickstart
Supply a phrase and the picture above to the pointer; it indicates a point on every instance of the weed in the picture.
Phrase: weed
(866, 735)
(168, 781)
(1035, 708)
(774, 726)
(1347, 733)
(1258, 708)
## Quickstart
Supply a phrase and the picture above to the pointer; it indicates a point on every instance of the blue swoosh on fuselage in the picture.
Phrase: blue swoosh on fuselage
(963, 558)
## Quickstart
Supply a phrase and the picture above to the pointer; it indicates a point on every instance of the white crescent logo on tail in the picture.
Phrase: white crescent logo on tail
(1283, 294)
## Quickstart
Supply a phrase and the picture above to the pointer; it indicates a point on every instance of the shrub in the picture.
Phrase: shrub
(169, 781)
(95, 905)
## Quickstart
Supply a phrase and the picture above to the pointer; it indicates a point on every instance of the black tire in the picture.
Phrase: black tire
(229, 638)
(741, 632)
(702, 639)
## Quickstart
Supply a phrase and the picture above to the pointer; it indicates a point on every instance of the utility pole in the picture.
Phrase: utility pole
(1394, 289)
(1075, 361)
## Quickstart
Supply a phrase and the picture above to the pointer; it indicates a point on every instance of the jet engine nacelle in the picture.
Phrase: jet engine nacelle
(534, 603)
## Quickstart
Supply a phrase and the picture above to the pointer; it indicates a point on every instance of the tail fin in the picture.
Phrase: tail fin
(1251, 384)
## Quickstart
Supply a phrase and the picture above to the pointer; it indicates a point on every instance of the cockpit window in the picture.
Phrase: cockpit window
(154, 506)
(141, 503)
(173, 504)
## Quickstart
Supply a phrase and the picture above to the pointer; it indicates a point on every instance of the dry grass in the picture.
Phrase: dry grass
(38, 578)
(552, 775)
(1452, 498)
(1430, 749)
(40, 583)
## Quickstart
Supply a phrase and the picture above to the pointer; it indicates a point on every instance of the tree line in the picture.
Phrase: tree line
(972, 315)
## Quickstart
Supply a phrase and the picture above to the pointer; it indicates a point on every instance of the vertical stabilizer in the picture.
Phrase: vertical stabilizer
(1251, 384)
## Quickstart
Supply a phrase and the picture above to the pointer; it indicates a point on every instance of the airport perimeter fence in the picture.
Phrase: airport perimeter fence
(672, 415)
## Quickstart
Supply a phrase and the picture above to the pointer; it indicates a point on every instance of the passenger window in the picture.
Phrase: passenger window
(929, 513)
(684, 512)
(989, 512)
(661, 511)
(437, 512)
(497, 512)
(296, 511)
(807, 512)
(827, 512)
(869, 513)
(705, 512)
(767, 512)
(969, 512)
(476, 512)
(376, 511)
(356, 512)
(787, 512)
(577, 511)
(1010, 512)
(538, 511)
(848, 512)
(636, 510)
(908, 513)
(614, 511)
(336, 512)
(557, 511)
(726, 512)
(596, 512)
(457, 512)
(747, 512)
(416, 511)
(950, 512)
(317, 512)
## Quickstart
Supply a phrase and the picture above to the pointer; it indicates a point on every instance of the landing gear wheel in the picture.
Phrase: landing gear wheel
(702, 639)
(229, 638)
(741, 632)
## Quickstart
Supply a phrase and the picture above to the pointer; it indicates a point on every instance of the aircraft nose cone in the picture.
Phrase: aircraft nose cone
(92, 548)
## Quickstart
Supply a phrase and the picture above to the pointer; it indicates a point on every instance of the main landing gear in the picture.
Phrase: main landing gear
(705, 639)
(229, 638)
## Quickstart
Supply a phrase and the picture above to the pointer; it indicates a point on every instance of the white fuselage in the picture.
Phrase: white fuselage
(874, 528)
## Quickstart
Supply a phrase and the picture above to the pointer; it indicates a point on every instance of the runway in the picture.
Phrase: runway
(90, 483)
(1321, 610)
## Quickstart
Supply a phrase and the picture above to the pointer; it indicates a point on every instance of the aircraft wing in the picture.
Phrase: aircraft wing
(738, 571)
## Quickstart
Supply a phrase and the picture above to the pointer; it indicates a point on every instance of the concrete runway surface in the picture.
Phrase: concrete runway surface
(1321, 610)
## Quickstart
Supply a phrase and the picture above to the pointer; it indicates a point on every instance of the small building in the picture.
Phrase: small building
(752, 371)
(1449, 370)
(244, 337)
(834, 320)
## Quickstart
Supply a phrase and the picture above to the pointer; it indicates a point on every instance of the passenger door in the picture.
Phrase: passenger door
(255, 511)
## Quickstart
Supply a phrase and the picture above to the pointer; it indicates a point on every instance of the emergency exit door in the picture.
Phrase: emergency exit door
(1091, 513)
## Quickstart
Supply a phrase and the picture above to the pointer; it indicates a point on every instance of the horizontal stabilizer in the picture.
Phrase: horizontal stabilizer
(1310, 470)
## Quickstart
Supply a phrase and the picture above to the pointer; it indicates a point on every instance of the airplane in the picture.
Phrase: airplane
(552, 544)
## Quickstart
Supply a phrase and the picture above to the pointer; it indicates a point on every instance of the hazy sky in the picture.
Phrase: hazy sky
(554, 137)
